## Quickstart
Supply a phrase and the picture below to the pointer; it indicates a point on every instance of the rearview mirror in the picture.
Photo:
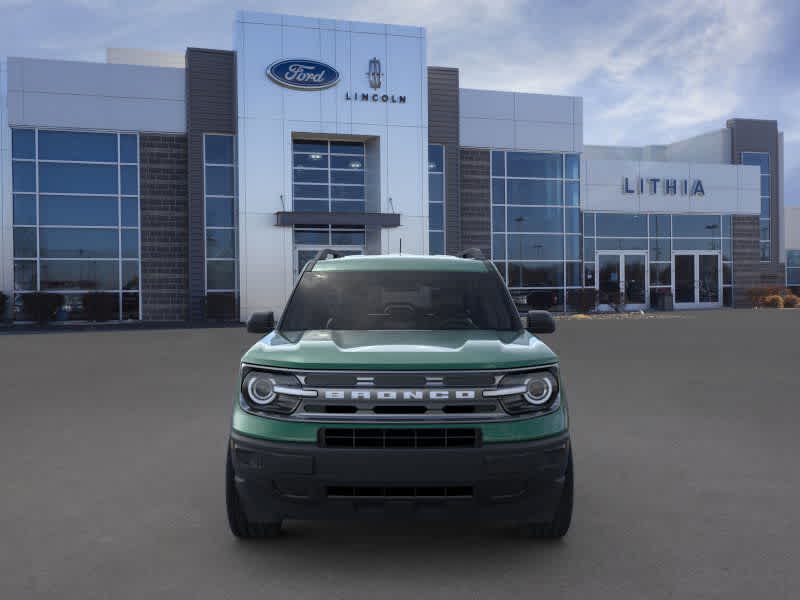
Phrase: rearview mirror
(541, 321)
(261, 322)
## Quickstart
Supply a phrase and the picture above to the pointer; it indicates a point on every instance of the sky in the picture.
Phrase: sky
(649, 72)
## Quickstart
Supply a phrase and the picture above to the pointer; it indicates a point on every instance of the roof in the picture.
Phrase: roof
(401, 262)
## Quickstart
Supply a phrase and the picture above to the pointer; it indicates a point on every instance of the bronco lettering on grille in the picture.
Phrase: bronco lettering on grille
(399, 394)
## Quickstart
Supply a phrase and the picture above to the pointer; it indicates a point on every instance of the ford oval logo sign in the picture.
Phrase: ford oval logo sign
(303, 74)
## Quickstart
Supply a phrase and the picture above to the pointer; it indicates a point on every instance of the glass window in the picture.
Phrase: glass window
(219, 149)
(221, 274)
(347, 192)
(77, 146)
(436, 242)
(219, 181)
(498, 247)
(312, 146)
(727, 249)
(793, 258)
(588, 274)
(130, 307)
(588, 249)
(77, 210)
(347, 206)
(498, 191)
(56, 242)
(128, 148)
(622, 225)
(695, 244)
(220, 243)
(535, 219)
(436, 187)
(727, 273)
(573, 274)
(660, 274)
(530, 164)
(24, 209)
(342, 162)
(23, 176)
(130, 243)
(727, 297)
(435, 158)
(129, 176)
(793, 277)
(311, 175)
(536, 274)
(765, 191)
(535, 247)
(621, 243)
(23, 143)
(436, 216)
(765, 208)
(765, 250)
(80, 275)
(130, 275)
(356, 177)
(727, 226)
(660, 249)
(25, 275)
(311, 205)
(66, 178)
(312, 237)
(572, 220)
(588, 224)
(696, 225)
(573, 166)
(759, 159)
(310, 191)
(347, 148)
(763, 229)
(318, 161)
(498, 218)
(572, 247)
(25, 242)
(572, 193)
(498, 163)
(660, 226)
(529, 191)
(130, 212)
(219, 212)
(348, 238)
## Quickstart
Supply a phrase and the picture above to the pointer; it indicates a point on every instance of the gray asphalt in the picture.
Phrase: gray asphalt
(686, 443)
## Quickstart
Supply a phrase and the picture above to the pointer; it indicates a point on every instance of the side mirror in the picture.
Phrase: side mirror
(261, 322)
(541, 321)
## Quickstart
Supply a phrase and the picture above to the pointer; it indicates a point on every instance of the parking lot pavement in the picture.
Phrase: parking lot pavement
(687, 484)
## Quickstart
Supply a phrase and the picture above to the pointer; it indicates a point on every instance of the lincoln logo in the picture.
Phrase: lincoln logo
(301, 74)
(399, 394)
(374, 74)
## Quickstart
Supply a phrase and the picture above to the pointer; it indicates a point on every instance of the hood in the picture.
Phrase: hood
(401, 350)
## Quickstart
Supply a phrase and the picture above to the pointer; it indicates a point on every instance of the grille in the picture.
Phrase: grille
(400, 438)
(395, 492)
(401, 380)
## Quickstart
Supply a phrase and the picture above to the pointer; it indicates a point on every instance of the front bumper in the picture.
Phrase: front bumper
(519, 481)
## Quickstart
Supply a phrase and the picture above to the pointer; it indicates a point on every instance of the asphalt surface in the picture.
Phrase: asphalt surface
(685, 432)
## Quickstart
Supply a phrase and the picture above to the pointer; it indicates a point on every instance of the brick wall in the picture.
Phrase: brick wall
(165, 227)
(476, 219)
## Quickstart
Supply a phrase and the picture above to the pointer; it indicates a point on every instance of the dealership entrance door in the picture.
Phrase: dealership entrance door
(697, 279)
(622, 279)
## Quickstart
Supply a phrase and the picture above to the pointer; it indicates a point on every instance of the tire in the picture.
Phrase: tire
(239, 524)
(558, 527)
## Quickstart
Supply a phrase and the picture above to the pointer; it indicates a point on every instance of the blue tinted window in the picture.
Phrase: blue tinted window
(311, 237)
(498, 218)
(436, 188)
(347, 148)
(347, 192)
(80, 146)
(23, 176)
(130, 243)
(695, 244)
(499, 247)
(221, 274)
(765, 208)
(77, 179)
(347, 238)
(535, 247)
(348, 206)
(528, 191)
(80, 275)
(766, 251)
(24, 209)
(588, 249)
(628, 225)
(793, 258)
(573, 274)
(696, 225)
(498, 163)
(572, 220)
(130, 275)
(436, 216)
(354, 177)
(320, 161)
(78, 243)
(24, 275)
(219, 181)
(539, 220)
(765, 185)
(621, 244)
(128, 149)
(759, 159)
(727, 225)
(25, 242)
(588, 224)
(340, 162)
(130, 306)
(533, 274)
(77, 210)
(573, 166)
(220, 243)
(312, 175)
(219, 212)
(129, 180)
(311, 205)
(529, 164)
(498, 191)
(436, 243)
(310, 146)
(763, 228)
(130, 212)
(219, 149)
(660, 249)
(660, 226)
(310, 191)
(572, 191)
(435, 158)
(23, 143)
(727, 249)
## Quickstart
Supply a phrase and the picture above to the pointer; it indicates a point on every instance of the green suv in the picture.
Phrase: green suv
(399, 387)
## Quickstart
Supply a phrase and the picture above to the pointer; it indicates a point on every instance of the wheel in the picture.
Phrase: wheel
(558, 527)
(240, 525)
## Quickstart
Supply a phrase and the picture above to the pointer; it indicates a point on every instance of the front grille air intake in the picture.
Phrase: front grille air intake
(335, 437)
(399, 492)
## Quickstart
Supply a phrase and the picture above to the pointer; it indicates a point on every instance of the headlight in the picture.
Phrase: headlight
(539, 388)
(264, 391)
(531, 392)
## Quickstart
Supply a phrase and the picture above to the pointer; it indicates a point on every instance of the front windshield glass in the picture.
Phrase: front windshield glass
(385, 300)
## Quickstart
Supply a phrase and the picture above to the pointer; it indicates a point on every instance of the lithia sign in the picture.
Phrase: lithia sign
(667, 186)
(306, 74)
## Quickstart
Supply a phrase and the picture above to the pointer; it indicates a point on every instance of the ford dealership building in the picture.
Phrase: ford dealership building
(197, 186)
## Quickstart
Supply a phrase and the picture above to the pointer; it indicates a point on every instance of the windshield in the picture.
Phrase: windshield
(361, 300)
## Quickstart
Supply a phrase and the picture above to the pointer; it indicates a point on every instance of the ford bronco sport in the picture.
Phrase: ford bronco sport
(399, 386)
